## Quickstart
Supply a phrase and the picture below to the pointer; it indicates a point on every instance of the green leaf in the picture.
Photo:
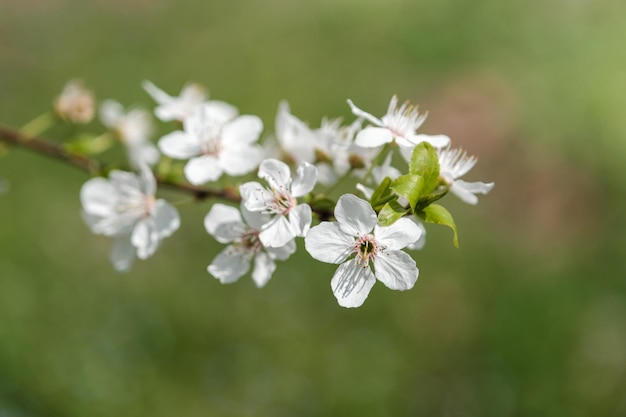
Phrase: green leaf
(382, 194)
(87, 144)
(390, 213)
(439, 215)
(410, 187)
(425, 163)
(426, 200)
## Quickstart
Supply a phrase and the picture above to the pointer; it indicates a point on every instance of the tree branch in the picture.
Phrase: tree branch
(95, 167)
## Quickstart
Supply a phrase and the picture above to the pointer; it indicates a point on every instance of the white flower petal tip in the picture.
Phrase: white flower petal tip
(124, 208)
(358, 243)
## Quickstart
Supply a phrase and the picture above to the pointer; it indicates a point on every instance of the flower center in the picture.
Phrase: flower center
(365, 248)
(283, 202)
(250, 241)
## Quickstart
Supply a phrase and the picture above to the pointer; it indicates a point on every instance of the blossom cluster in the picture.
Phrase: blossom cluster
(389, 174)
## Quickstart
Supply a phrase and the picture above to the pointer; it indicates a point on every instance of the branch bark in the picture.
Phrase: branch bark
(94, 167)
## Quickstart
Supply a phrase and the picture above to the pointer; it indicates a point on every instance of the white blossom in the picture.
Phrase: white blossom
(330, 147)
(358, 243)
(216, 144)
(289, 219)
(76, 103)
(179, 108)
(399, 124)
(226, 225)
(134, 129)
(294, 136)
(453, 164)
(124, 208)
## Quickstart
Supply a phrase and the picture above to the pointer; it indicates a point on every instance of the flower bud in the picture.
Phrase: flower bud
(75, 104)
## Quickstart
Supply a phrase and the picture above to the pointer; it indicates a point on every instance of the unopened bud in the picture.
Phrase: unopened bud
(76, 104)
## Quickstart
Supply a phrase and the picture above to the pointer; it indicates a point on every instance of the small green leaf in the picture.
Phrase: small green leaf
(409, 186)
(382, 194)
(439, 215)
(425, 162)
(426, 200)
(390, 213)
(87, 144)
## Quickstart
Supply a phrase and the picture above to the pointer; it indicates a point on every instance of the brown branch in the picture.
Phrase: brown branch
(96, 167)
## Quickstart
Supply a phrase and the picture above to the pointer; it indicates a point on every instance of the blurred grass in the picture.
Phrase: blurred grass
(525, 319)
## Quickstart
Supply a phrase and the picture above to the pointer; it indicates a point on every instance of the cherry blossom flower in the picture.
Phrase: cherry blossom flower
(181, 107)
(226, 225)
(358, 243)
(399, 125)
(290, 219)
(124, 208)
(330, 147)
(134, 129)
(453, 164)
(216, 143)
(294, 136)
(76, 104)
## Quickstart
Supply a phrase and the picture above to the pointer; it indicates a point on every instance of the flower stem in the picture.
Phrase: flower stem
(381, 155)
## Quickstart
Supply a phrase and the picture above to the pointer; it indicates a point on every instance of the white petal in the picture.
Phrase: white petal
(166, 218)
(110, 113)
(254, 196)
(438, 141)
(304, 181)
(466, 190)
(277, 233)
(145, 238)
(300, 219)
(156, 93)
(398, 235)
(418, 244)
(396, 269)
(367, 192)
(122, 253)
(276, 173)
(98, 197)
(240, 160)
(147, 184)
(326, 242)
(244, 130)
(354, 215)
(142, 153)
(264, 267)
(125, 183)
(218, 215)
(360, 113)
(351, 284)
(229, 265)
(202, 169)
(180, 145)
(326, 174)
(221, 111)
(371, 137)
(255, 219)
(475, 187)
(283, 252)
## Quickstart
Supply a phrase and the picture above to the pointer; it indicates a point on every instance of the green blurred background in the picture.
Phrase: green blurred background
(527, 318)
